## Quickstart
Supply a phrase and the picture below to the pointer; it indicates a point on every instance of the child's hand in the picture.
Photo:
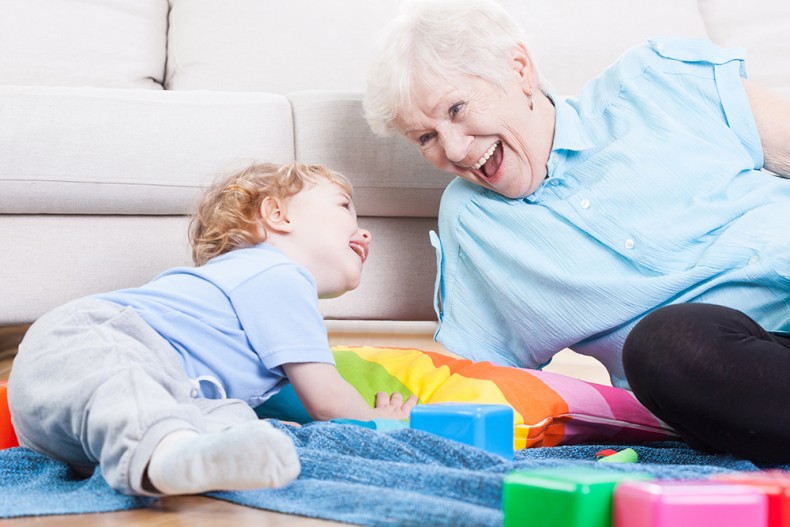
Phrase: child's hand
(326, 395)
(393, 407)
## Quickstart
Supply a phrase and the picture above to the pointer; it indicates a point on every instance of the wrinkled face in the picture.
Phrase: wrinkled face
(482, 132)
(324, 237)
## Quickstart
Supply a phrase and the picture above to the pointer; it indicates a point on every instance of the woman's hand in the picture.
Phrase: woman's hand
(772, 116)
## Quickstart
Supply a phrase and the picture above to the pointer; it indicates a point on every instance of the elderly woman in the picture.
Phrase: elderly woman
(571, 219)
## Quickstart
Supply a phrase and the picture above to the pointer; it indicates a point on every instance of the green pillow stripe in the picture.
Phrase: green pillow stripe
(366, 376)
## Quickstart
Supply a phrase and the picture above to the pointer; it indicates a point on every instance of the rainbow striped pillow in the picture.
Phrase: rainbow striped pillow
(550, 409)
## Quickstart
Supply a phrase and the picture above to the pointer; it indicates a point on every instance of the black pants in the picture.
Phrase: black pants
(717, 377)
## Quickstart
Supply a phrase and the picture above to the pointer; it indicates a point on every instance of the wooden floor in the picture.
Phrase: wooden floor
(199, 511)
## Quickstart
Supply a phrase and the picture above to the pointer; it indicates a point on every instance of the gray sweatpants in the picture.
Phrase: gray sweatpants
(94, 384)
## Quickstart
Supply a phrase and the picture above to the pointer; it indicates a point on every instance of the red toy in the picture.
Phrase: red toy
(7, 435)
(775, 484)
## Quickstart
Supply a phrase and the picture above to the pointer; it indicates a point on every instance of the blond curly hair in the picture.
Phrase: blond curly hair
(228, 217)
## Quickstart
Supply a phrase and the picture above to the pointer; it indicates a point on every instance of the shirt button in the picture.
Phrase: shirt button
(585, 203)
(629, 244)
(754, 259)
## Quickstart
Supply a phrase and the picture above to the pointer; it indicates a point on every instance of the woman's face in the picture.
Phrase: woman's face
(482, 132)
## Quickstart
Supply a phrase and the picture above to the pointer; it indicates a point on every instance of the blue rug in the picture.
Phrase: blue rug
(360, 476)
(32, 484)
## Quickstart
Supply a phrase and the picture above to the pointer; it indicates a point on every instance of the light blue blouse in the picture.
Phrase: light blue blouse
(654, 196)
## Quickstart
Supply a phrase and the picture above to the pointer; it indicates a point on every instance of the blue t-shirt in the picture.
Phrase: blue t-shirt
(238, 318)
(654, 196)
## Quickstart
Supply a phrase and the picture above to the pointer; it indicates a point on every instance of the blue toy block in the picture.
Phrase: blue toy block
(486, 426)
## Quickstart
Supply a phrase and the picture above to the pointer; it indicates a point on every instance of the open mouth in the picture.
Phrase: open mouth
(489, 162)
(360, 249)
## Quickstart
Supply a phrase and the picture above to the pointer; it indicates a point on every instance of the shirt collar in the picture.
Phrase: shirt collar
(568, 128)
(569, 136)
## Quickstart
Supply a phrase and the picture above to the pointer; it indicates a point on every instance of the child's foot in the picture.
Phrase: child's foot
(247, 456)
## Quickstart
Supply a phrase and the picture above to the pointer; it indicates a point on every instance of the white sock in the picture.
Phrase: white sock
(247, 456)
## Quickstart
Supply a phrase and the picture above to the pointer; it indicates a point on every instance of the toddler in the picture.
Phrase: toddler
(157, 384)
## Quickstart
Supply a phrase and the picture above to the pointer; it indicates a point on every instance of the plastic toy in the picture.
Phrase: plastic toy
(688, 504)
(567, 497)
(627, 455)
(775, 484)
(486, 426)
(7, 435)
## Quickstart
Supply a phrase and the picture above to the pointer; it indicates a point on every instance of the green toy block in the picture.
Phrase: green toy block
(566, 497)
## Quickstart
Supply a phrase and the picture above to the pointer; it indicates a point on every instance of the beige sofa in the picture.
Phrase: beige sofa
(114, 114)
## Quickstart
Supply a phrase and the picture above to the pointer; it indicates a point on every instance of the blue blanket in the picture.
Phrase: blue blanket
(361, 476)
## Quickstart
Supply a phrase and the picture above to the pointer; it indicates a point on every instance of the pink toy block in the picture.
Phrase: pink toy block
(775, 484)
(688, 504)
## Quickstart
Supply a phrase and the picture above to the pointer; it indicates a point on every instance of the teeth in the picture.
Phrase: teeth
(485, 157)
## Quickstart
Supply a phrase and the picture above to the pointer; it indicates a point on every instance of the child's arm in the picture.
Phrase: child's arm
(326, 395)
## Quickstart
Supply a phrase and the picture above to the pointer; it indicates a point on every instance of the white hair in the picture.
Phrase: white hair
(441, 38)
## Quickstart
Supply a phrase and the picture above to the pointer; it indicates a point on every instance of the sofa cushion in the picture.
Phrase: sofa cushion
(390, 176)
(272, 46)
(325, 45)
(105, 151)
(398, 277)
(49, 260)
(761, 27)
(103, 43)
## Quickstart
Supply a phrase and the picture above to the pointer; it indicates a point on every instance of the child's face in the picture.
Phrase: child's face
(325, 237)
